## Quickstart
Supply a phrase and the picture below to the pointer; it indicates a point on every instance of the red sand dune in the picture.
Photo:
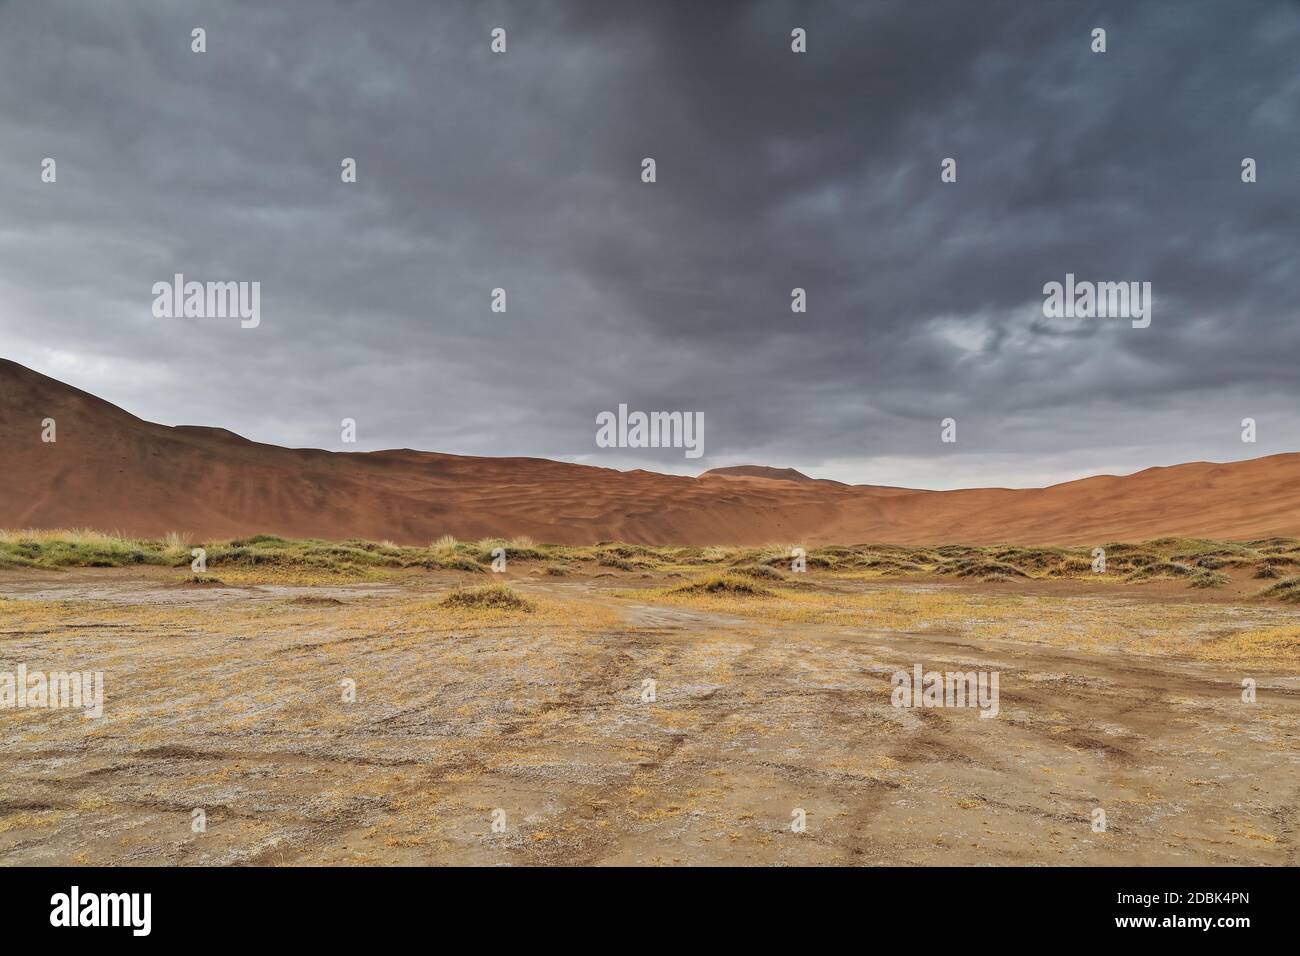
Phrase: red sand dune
(112, 471)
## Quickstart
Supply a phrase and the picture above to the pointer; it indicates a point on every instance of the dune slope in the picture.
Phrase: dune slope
(113, 471)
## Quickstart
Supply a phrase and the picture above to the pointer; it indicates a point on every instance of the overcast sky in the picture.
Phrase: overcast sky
(775, 169)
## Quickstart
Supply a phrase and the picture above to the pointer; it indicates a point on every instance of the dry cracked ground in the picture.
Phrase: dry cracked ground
(230, 699)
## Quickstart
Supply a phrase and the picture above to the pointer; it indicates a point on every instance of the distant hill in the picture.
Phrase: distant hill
(758, 471)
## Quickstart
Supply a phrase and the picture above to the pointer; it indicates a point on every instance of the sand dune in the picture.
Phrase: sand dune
(113, 471)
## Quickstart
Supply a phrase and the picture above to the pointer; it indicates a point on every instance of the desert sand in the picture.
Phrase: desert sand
(227, 699)
(113, 471)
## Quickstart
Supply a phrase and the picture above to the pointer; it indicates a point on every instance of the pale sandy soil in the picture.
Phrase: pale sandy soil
(229, 700)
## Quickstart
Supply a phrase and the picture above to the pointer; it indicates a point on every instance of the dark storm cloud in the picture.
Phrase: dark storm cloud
(775, 170)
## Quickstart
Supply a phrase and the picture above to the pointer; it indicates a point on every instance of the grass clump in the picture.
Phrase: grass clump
(1287, 590)
(78, 548)
(724, 585)
(1071, 567)
(1165, 570)
(759, 572)
(443, 561)
(981, 567)
(516, 549)
(889, 565)
(1029, 559)
(492, 597)
(203, 579)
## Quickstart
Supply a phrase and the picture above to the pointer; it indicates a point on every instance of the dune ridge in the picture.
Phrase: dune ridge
(113, 471)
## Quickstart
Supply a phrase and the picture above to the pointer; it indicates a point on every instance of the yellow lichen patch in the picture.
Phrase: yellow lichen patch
(31, 820)
(885, 609)
(1097, 623)
(1269, 644)
(301, 577)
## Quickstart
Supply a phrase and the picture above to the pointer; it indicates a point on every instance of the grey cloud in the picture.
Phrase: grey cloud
(775, 170)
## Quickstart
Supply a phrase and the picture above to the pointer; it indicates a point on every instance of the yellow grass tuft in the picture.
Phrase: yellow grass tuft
(492, 597)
